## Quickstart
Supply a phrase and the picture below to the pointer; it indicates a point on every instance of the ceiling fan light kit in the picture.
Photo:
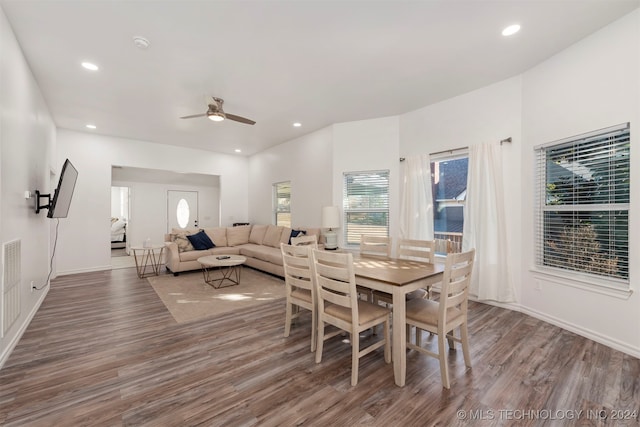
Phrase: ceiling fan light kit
(217, 114)
(216, 117)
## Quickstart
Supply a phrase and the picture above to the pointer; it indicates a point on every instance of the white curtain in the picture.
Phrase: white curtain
(484, 230)
(416, 204)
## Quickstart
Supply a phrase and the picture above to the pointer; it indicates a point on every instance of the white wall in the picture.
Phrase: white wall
(307, 163)
(149, 209)
(591, 85)
(367, 145)
(27, 139)
(93, 156)
(119, 206)
(492, 113)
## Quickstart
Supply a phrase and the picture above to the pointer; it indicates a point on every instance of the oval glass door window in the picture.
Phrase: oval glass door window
(182, 213)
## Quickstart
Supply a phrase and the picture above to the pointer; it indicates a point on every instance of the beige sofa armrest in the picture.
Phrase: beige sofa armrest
(172, 256)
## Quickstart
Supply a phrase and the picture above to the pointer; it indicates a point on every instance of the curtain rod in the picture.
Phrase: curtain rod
(460, 148)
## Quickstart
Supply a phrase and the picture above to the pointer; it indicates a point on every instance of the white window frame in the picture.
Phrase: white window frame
(576, 218)
(280, 209)
(352, 234)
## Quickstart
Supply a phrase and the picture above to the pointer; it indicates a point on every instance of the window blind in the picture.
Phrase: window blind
(582, 199)
(366, 205)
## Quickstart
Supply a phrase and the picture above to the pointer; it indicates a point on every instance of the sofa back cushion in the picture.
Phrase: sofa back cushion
(218, 235)
(257, 234)
(285, 236)
(238, 235)
(273, 236)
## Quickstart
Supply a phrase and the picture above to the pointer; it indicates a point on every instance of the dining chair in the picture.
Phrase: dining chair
(305, 240)
(414, 250)
(299, 287)
(375, 245)
(338, 305)
(443, 317)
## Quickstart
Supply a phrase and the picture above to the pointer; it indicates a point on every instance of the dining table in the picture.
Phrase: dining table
(397, 277)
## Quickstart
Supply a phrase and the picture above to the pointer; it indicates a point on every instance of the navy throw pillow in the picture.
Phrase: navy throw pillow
(200, 241)
(296, 233)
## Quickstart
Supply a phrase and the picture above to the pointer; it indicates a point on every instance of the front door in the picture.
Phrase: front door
(182, 209)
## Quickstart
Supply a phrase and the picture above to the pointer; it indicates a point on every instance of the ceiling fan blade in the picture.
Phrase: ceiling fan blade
(194, 116)
(239, 119)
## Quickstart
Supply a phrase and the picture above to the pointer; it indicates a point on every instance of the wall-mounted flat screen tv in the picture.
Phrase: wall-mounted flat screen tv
(59, 206)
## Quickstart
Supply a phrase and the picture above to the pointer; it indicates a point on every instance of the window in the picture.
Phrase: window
(282, 203)
(449, 191)
(366, 205)
(583, 204)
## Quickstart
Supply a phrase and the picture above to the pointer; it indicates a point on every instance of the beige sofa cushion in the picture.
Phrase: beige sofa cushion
(238, 235)
(180, 239)
(257, 234)
(286, 235)
(261, 252)
(218, 235)
(272, 236)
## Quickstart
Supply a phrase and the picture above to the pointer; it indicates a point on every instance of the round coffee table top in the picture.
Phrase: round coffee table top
(221, 260)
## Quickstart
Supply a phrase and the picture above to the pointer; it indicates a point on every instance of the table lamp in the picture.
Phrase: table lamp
(331, 220)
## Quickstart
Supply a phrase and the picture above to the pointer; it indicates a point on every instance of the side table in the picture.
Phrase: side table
(148, 259)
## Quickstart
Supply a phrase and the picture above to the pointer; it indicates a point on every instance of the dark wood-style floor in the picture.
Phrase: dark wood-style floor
(104, 350)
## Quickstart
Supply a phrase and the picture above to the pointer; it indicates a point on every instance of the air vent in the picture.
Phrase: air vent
(11, 261)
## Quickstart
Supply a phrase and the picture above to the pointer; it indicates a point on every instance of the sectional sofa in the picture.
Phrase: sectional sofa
(260, 244)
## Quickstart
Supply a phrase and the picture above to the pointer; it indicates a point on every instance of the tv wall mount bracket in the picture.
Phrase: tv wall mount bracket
(39, 196)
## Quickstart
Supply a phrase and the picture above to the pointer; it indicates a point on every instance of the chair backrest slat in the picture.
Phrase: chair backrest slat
(456, 280)
(417, 250)
(375, 245)
(311, 240)
(296, 261)
(335, 279)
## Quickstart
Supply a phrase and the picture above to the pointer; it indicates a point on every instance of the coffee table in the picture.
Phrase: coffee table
(229, 265)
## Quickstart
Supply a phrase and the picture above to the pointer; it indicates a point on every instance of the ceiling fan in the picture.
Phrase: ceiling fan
(217, 114)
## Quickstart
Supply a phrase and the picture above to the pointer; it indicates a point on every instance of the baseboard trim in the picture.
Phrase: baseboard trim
(84, 270)
(583, 332)
(9, 349)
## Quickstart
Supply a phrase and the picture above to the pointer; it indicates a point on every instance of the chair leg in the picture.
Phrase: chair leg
(464, 339)
(320, 341)
(418, 337)
(288, 318)
(355, 357)
(387, 342)
(314, 330)
(444, 369)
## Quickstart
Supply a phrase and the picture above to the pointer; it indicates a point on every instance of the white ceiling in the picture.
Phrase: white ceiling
(278, 62)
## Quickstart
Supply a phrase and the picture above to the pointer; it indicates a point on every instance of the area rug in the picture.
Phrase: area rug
(189, 298)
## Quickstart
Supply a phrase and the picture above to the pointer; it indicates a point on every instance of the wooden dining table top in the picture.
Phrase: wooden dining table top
(394, 271)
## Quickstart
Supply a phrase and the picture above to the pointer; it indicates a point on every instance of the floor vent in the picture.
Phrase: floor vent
(11, 261)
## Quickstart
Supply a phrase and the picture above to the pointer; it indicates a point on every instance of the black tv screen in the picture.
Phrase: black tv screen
(59, 207)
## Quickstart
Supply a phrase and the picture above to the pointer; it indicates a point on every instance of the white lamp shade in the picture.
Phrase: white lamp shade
(330, 217)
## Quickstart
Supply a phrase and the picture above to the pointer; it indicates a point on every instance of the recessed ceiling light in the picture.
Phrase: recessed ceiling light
(90, 66)
(237, 150)
(511, 30)
(297, 125)
(90, 126)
